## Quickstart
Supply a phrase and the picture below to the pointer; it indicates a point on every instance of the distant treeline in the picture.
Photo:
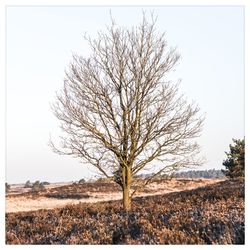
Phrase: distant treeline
(209, 174)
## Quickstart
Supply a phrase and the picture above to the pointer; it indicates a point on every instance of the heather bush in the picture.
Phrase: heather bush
(207, 215)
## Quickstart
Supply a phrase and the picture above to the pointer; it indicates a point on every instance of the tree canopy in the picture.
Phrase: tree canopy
(235, 162)
(121, 113)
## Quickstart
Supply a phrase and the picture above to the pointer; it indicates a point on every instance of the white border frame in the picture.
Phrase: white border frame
(5, 3)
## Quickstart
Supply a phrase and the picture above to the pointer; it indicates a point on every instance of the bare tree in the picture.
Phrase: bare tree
(119, 111)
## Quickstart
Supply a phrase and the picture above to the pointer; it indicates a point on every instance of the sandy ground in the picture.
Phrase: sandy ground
(22, 203)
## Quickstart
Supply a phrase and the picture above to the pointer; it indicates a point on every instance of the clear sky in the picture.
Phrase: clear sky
(40, 43)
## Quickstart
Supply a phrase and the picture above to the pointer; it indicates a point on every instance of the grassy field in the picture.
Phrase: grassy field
(207, 215)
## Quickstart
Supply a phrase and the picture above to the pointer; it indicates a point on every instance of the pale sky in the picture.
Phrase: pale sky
(41, 40)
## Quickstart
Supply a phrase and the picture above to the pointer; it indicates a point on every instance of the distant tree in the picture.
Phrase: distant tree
(45, 183)
(101, 179)
(209, 174)
(235, 162)
(81, 181)
(7, 187)
(37, 186)
(28, 184)
(120, 112)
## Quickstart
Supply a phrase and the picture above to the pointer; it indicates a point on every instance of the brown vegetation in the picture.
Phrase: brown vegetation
(206, 215)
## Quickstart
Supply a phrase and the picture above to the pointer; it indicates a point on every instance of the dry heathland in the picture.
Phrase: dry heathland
(207, 215)
(20, 199)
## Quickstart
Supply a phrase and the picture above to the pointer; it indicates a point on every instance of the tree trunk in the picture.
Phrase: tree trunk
(126, 199)
(126, 189)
